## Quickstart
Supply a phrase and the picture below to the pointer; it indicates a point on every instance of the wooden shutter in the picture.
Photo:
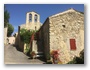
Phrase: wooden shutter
(72, 44)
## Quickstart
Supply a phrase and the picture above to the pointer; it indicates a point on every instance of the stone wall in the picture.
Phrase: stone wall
(20, 43)
(5, 35)
(34, 46)
(44, 38)
(16, 39)
(32, 25)
(63, 27)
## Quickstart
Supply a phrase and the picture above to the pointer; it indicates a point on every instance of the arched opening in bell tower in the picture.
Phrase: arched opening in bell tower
(30, 17)
(35, 18)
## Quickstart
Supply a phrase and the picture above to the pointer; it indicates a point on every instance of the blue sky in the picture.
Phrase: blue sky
(18, 11)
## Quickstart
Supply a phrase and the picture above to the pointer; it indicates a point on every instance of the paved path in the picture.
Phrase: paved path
(12, 56)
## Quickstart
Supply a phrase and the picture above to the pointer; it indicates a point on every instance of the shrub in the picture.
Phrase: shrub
(55, 57)
(54, 54)
(48, 56)
(25, 35)
(33, 54)
(78, 60)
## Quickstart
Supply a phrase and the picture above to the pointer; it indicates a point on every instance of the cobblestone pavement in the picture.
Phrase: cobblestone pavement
(12, 56)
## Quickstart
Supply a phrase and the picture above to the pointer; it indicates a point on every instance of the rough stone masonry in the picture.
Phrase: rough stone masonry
(66, 26)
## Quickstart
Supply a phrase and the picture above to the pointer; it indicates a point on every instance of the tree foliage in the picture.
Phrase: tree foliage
(78, 60)
(6, 17)
(25, 35)
(10, 30)
(6, 22)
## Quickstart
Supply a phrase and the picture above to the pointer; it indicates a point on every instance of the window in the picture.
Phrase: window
(35, 18)
(30, 17)
(72, 44)
(63, 26)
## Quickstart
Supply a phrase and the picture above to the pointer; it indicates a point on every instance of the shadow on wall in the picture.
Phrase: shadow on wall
(17, 47)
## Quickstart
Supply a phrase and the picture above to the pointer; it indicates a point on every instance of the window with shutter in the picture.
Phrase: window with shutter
(72, 44)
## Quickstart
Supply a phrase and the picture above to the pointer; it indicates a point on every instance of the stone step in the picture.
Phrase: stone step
(39, 54)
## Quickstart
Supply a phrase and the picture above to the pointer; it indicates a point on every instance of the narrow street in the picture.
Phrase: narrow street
(13, 56)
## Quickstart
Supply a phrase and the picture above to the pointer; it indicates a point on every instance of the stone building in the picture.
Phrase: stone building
(64, 32)
(32, 23)
(5, 35)
(11, 40)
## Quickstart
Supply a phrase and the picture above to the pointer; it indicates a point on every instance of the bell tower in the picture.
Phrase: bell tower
(33, 21)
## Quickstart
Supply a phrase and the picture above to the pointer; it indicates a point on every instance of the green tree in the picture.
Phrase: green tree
(78, 60)
(6, 17)
(6, 22)
(10, 30)
(25, 35)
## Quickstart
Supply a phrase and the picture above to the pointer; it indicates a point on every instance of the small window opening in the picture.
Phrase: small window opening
(63, 26)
